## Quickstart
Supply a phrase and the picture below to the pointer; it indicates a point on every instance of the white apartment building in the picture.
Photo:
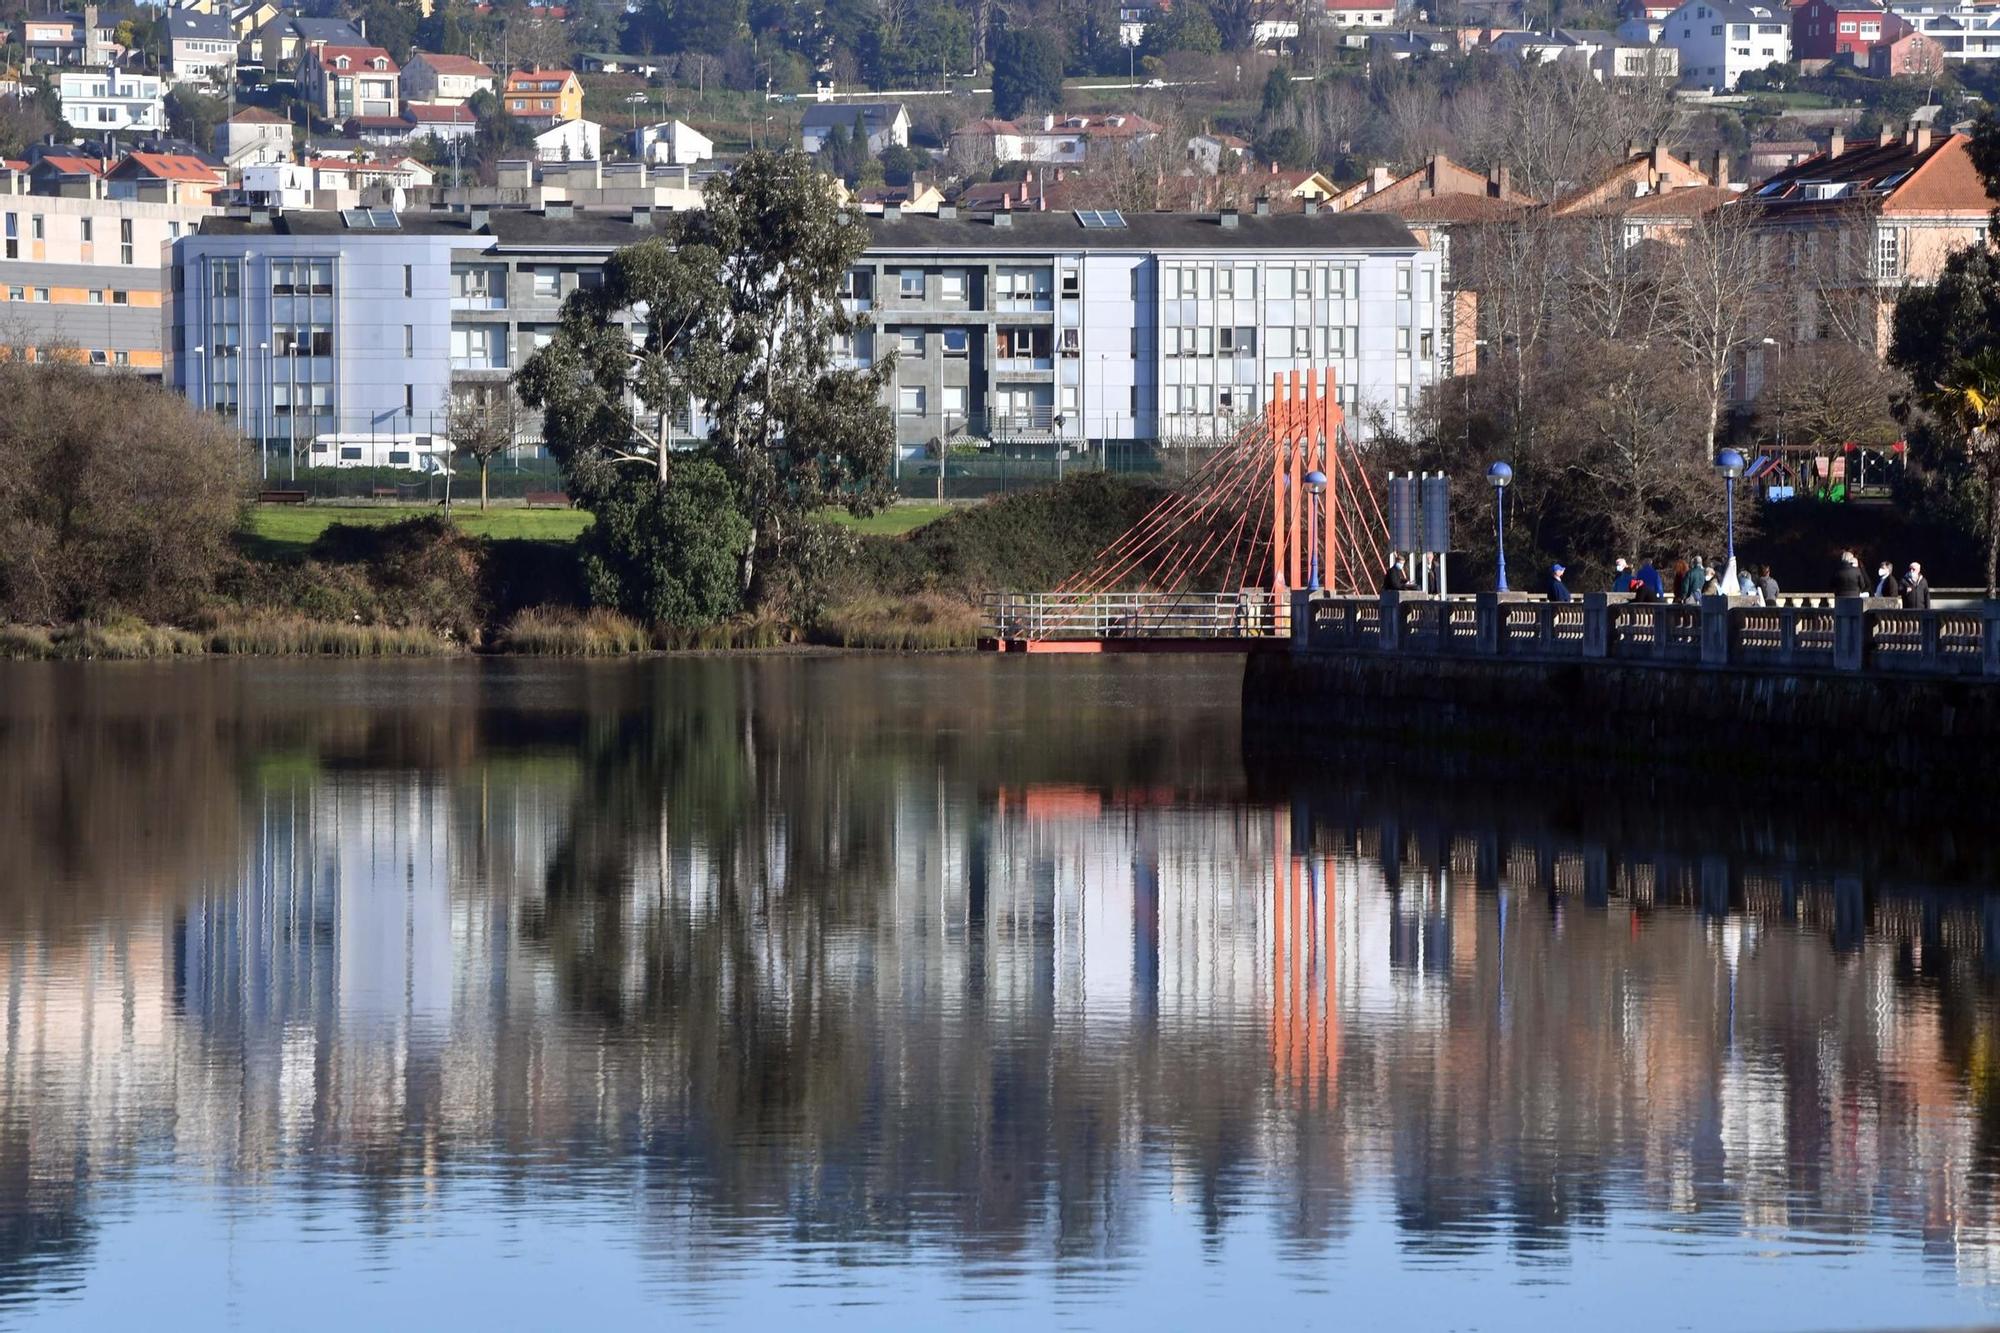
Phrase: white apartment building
(1965, 32)
(98, 101)
(1722, 40)
(1034, 330)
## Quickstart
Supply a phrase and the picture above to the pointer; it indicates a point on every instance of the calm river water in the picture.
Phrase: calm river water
(962, 992)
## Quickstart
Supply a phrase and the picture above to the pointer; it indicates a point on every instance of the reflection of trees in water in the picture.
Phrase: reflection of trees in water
(786, 937)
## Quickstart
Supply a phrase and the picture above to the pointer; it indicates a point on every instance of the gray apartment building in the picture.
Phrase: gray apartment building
(1046, 328)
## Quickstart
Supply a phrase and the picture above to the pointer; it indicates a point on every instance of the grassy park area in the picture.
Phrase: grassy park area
(281, 528)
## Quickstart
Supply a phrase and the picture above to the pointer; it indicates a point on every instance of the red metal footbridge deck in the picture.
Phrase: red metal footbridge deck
(1284, 504)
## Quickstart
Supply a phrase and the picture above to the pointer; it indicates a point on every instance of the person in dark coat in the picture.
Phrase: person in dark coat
(1886, 582)
(1649, 587)
(1847, 580)
(1621, 576)
(1558, 590)
(1916, 589)
(1767, 585)
(1393, 578)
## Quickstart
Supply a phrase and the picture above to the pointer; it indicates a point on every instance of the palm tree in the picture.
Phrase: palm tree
(1969, 400)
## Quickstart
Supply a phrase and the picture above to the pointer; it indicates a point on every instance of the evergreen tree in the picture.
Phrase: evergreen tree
(1027, 71)
(737, 308)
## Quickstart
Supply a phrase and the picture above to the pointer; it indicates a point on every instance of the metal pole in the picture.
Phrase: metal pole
(1500, 519)
(1729, 488)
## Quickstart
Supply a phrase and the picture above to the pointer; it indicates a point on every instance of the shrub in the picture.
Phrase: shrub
(924, 621)
(668, 553)
(115, 496)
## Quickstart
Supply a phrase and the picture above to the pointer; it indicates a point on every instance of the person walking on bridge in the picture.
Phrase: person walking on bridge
(1648, 587)
(1393, 578)
(1916, 589)
(1847, 580)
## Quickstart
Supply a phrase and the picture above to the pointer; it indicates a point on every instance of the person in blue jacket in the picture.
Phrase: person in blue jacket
(1558, 590)
(1649, 581)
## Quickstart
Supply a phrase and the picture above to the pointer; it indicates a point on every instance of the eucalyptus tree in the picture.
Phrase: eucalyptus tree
(731, 313)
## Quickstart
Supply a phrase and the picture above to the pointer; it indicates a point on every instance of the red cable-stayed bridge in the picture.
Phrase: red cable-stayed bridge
(1285, 504)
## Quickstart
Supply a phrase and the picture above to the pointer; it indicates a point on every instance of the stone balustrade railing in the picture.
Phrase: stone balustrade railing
(1847, 634)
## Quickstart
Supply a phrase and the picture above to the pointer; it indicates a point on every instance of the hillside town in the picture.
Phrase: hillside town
(1061, 274)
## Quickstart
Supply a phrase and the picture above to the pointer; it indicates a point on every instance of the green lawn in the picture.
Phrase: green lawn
(295, 526)
(282, 528)
(891, 522)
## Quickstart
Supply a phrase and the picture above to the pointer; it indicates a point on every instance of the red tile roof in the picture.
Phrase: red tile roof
(69, 163)
(440, 113)
(170, 166)
(257, 115)
(358, 57)
(449, 64)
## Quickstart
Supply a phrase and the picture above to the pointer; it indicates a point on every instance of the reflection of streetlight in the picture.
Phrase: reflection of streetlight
(1501, 475)
(1730, 464)
(264, 415)
(1316, 488)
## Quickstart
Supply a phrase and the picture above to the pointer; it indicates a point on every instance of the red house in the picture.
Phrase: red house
(1831, 29)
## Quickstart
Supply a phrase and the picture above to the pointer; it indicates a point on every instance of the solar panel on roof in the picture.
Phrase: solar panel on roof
(1093, 219)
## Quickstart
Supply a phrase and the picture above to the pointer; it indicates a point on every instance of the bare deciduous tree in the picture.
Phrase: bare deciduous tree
(482, 423)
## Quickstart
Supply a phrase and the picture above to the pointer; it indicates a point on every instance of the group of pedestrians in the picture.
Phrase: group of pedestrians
(1688, 580)
(1911, 588)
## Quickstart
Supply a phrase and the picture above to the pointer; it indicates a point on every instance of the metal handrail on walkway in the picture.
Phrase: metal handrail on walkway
(1250, 613)
(1847, 634)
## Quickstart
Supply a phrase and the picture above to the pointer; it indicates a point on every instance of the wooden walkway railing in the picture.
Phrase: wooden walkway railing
(1849, 634)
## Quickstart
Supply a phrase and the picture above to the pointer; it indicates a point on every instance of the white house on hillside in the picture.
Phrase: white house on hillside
(570, 141)
(885, 122)
(1722, 40)
(98, 100)
(672, 143)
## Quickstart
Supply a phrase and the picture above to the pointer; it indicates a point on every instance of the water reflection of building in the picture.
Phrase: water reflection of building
(915, 1007)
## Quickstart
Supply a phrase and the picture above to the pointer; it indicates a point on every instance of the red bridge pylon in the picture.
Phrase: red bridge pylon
(1221, 554)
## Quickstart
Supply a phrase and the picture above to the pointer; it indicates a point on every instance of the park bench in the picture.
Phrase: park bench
(554, 499)
(384, 493)
(281, 497)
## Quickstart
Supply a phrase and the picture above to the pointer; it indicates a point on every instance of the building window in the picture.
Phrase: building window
(1889, 256)
(89, 232)
(409, 280)
(121, 358)
(125, 240)
(409, 340)
(953, 400)
(910, 343)
(1427, 345)
(96, 297)
(951, 286)
(13, 236)
(1072, 282)
(910, 284)
(956, 341)
(37, 230)
(1402, 279)
(17, 294)
(910, 400)
(548, 283)
(409, 400)
(98, 358)
(42, 295)
(1402, 342)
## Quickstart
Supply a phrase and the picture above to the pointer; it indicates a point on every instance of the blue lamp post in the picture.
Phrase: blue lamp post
(1501, 476)
(1730, 464)
(1316, 488)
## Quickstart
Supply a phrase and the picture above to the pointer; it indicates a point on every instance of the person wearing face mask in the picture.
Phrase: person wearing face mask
(1916, 589)
(1886, 583)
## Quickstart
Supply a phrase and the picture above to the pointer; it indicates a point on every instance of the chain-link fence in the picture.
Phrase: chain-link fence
(983, 473)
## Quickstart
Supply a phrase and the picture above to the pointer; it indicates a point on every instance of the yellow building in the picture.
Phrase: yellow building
(544, 94)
